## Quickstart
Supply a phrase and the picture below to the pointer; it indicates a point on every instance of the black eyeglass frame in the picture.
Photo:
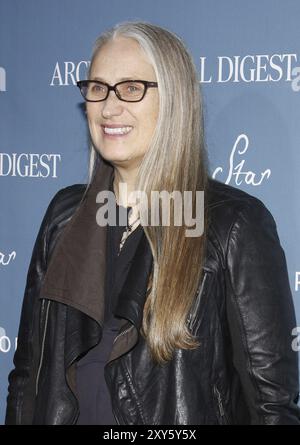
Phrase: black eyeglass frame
(146, 83)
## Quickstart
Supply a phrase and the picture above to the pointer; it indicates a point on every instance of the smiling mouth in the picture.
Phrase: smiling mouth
(117, 130)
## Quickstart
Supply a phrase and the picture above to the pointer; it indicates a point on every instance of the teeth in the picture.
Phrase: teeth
(119, 130)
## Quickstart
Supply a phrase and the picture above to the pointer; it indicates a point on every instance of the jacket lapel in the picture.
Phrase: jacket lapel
(76, 272)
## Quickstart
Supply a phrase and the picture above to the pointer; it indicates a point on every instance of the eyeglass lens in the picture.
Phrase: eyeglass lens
(126, 90)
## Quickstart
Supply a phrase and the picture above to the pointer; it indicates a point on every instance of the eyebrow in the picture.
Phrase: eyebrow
(120, 80)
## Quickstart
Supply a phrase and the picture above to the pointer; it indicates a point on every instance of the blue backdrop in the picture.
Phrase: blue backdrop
(248, 58)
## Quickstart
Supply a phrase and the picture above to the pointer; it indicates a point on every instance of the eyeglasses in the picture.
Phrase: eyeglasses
(127, 91)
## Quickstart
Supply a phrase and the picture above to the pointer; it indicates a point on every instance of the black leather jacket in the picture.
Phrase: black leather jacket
(244, 372)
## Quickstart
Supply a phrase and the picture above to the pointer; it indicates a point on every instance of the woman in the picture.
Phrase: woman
(141, 324)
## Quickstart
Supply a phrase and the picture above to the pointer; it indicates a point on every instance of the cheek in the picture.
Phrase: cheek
(92, 112)
(93, 123)
(153, 115)
(151, 123)
(150, 116)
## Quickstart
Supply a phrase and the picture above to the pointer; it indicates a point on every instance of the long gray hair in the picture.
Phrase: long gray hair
(175, 160)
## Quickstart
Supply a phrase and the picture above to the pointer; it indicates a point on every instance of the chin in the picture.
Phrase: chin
(116, 159)
(121, 162)
(111, 154)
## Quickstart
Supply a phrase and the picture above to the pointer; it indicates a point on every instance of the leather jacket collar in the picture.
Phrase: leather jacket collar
(76, 273)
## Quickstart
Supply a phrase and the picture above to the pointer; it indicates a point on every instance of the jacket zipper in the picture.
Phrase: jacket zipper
(195, 307)
(123, 332)
(118, 423)
(119, 335)
(42, 350)
(220, 402)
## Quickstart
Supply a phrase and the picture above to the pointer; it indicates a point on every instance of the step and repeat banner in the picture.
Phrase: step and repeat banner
(248, 58)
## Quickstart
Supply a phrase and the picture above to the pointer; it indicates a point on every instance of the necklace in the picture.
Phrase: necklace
(129, 227)
(127, 232)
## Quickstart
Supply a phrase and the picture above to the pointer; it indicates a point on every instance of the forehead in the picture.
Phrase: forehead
(122, 57)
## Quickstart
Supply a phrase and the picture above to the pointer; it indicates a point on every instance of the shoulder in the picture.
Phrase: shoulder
(68, 196)
(220, 194)
(233, 210)
(64, 203)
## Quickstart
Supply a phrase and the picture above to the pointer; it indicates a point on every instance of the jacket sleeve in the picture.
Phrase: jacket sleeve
(21, 389)
(261, 317)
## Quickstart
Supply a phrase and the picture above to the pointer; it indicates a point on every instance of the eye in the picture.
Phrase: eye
(134, 88)
(97, 88)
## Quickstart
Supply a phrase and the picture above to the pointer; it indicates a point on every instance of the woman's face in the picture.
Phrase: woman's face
(118, 60)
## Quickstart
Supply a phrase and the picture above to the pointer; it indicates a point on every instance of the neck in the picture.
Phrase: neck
(129, 179)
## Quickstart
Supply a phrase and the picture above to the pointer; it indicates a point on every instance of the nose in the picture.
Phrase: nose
(111, 106)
